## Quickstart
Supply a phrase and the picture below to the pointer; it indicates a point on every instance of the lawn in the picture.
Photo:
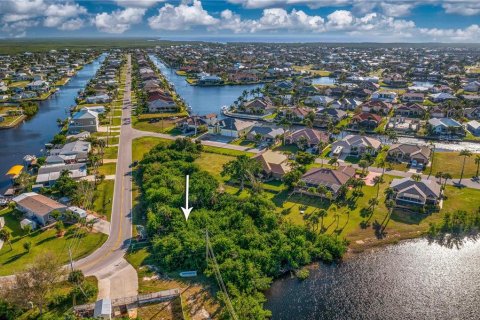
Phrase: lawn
(243, 142)
(452, 162)
(20, 84)
(12, 261)
(107, 168)
(110, 153)
(141, 146)
(162, 126)
(224, 151)
(292, 148)
(213, 163)
(102, 203)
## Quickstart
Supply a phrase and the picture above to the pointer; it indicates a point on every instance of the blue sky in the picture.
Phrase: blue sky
(280, 20)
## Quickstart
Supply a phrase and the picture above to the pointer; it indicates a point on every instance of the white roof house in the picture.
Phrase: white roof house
(103, 309)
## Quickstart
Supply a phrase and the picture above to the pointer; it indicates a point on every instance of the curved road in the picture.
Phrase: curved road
(116, 277)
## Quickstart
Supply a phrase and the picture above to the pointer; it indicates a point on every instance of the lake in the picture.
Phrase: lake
(411, 280)
(30, 136)
(203, 100)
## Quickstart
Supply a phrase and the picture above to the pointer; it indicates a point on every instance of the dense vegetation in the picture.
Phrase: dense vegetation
(458, 223)
(251, 241)
(29, 108)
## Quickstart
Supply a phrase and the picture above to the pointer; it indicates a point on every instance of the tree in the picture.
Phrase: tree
(416, 177)
(242, 169)
(23, 181)
(6, 236)
(378, 180)
(76, 277)
(304, 158)
(36, 282)
(389, 192)
(333, 162)
(322, 213)
(372, 202)
(364, 165)
(27, 245)
(447, 176)
(477, 162)
(439, 176)
(466, 154)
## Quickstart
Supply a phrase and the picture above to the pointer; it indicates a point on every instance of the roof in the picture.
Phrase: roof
(425, 187)
(85, 114)
(333, 179)
(446, 122)
(15, 170)
(357, 140)
(313, 136)
(412, 149)
(272, 161)
(235, 124)
(37, 203)
(102, 308)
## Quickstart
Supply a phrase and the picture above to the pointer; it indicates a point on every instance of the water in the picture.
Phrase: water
(31, 136)
(412, 280)
(203, 100)
(326, 81)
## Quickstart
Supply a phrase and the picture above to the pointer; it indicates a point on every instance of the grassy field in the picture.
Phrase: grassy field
(162, 126)
(213, 163)
(452, 162)
(107, 168)
(142, 145)
(110, 153)
(103, 197)
(16, 259)
(321, 73)
(243, 142)
(226, 152)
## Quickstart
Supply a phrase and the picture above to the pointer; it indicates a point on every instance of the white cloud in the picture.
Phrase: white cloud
(465, 8)
(182, 17)
(72, 24)
(396, 10)
(256, 4)
(340, 19)
(469, 34)
(118, 21)
(57, 14)
(138, 3)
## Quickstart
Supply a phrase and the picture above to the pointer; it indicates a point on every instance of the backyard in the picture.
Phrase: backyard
(15, 259)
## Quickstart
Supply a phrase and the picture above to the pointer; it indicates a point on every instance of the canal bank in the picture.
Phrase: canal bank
(202, 100)
(414, 279)
(30, 136)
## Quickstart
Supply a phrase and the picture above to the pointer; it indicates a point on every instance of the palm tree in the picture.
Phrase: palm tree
(389, 192)
(333, 162)
(465, 153)
(378, 180)
(243, 168)
(439, 176)
(364, 165)
(381, 163)
(432, 158)
(322, 214)
(447, 176)
(416, 177)
(322, 191)
(6, 236)
(372, 202)
(477, 162)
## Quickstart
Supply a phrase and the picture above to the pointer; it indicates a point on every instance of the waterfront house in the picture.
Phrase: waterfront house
(260, 105)
(474, 127)
(49, 174)
(332, 179)
(266, 134)
(413, 97)
(445, 126)
(441, 96)
(209, 80)
(307, 138)
(410, 193)
(84, 120)
(349, 103)
(231, 127)
(274, 164)
(379, 107)
(411, 153)
(355, 145)
(328, 115)
(37, 206)
(101, 98)
(319, 101)
(162, 105)
(192, 123)
(76, 150)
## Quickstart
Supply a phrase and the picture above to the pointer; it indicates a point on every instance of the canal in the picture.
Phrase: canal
(411, 280)
(203, 100)
(30, 136)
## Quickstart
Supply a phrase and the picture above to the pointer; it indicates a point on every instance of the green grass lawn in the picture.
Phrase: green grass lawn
(110, 153)
(20, 84)
(162, 126)
(243, 142)
(103, 197)
(452, 162)
(141, 146)
(226, 152)
(107, 168)
(292, 148)
(12, 261)
(116, 121)
(213, 163)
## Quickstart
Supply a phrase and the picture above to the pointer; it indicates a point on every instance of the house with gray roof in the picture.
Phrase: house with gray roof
(474, 127)
(84, 120)
(445, 126)
(355, 145)
(410, 153)
(332, 179)
(408, 192)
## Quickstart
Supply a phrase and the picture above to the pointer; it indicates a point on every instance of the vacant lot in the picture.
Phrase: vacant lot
(452, 162)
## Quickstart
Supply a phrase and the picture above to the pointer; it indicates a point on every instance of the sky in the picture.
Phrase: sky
(246, 20)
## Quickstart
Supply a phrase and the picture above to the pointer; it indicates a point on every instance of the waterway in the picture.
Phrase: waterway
(30, 136)
(411, 280)
(203, 100)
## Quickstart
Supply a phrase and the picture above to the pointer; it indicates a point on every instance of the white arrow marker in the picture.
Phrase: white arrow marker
(186, 210)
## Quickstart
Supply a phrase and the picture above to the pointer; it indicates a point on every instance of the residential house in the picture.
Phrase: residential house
(262, 105)
(355, 145)
(162, 105)
(474, 127)
(441, 96)
(231, 127)
(379, 107)
(413, 97)
(410, 153)
(445, 126)
(413, 110)
(37, 206)
(100, 98)
(332, 179)
(266, 134)
(274, 164)
(349, 103)
(84, 120)
(307, 138)
(328, 115)
(365, 120)
(408, 192)
(49, 174)
(386, 96)
(209, 80)
(472, 113)
(473, 86)
(319, 101)
(194, 122)
(77, 149)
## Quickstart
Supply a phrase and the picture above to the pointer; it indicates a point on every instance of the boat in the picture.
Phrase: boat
(188, 274)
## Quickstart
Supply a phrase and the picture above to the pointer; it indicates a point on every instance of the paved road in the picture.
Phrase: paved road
(117, 278)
